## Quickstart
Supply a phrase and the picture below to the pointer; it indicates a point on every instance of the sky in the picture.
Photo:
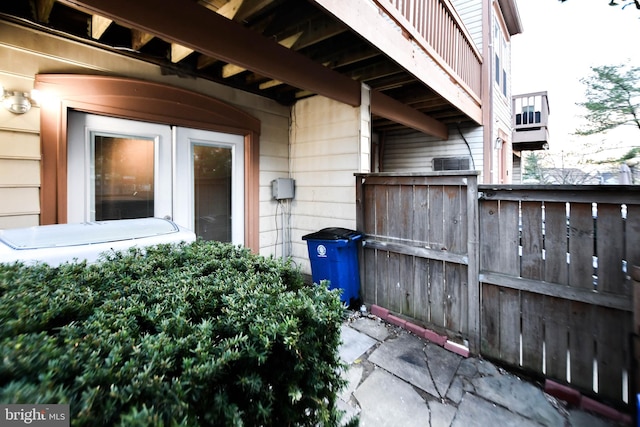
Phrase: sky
(558, 45)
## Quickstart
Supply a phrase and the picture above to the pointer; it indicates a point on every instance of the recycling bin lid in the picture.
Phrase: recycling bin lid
(333, 233)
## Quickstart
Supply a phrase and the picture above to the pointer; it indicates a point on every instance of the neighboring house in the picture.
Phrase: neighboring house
(191, 109)
(530, 127)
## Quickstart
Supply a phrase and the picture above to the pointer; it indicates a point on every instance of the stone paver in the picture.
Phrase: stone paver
(443, 365)
(398, 379)
(475, 411)
(404, 356)
(520, 397)
(354, 344)
(402, 405)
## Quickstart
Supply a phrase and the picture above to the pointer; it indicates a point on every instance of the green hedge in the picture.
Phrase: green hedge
(195, 334)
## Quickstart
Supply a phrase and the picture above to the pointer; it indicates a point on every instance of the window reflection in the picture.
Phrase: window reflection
(124, 178)
(212, 192)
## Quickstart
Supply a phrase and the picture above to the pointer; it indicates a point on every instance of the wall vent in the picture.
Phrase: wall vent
(450, 163)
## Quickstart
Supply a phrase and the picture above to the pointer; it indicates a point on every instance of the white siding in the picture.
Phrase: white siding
(517, 170)
(502, 114)
(411, 151)
(325, 153)
(470, 11)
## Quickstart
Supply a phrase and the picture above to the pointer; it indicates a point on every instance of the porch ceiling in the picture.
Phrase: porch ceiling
(285, 50)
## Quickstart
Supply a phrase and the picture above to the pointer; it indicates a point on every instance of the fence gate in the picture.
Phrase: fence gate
(419, 231)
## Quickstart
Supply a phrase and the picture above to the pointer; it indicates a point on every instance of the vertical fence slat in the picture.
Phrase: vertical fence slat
(556, 313)
(369, 280)
(555, 243)
(405, 215)
(632, 236)
(455, 231)
(382, 278)
(509, 238)
(380, 209)
(532, 330)
(490, 326)
(395, 218)
(394, 279)
(581, 246)
(369, 215)
(510, 326)
(453, 299)
(406, 285)
(435, 217)
(437, 293)
(610, 249)
(489, 245)
(421, 290)
(532, 262)
(581, 344)
(420, 209)
(610, 332)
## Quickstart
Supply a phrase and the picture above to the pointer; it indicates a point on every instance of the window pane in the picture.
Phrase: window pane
(123, 174)
(212, 192)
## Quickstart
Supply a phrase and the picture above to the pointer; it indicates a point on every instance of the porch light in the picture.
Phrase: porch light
(15, 101)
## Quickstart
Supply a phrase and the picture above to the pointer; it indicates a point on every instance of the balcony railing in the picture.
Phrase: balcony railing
(530, 121)
(438, 29)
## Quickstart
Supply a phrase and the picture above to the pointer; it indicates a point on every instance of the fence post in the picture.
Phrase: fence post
(635, 335)
(473, 278)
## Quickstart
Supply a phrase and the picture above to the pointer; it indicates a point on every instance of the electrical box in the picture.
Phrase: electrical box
(282, 188)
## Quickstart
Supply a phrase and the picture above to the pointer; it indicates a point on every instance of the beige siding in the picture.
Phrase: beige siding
(19, 157)
(411, 151)
(19, 201)
(274, 163)
(325, 153)
(25, 53)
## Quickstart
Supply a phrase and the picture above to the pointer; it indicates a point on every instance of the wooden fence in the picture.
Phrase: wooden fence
(420, 231)
(533, 277)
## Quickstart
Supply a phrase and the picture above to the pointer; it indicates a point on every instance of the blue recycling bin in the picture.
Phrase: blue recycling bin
(333, 253)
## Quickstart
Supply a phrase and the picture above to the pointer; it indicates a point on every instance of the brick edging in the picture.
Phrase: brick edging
(427, 334)
(575, 398)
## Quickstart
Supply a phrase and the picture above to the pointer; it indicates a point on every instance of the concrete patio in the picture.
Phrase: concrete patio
(398, 379)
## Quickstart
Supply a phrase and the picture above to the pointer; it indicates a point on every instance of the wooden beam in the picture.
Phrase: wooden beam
(251, 7)
(192, 26)
(179, 52)
(231, 69)
(557, 290)
(229, 10)
(139, 39)
(98, 26)
(387, 107)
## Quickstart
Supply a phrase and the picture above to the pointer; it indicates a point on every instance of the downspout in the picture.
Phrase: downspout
(487, 93)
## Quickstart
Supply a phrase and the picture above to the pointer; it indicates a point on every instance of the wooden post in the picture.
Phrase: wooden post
(635, 336)
(473, 281)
